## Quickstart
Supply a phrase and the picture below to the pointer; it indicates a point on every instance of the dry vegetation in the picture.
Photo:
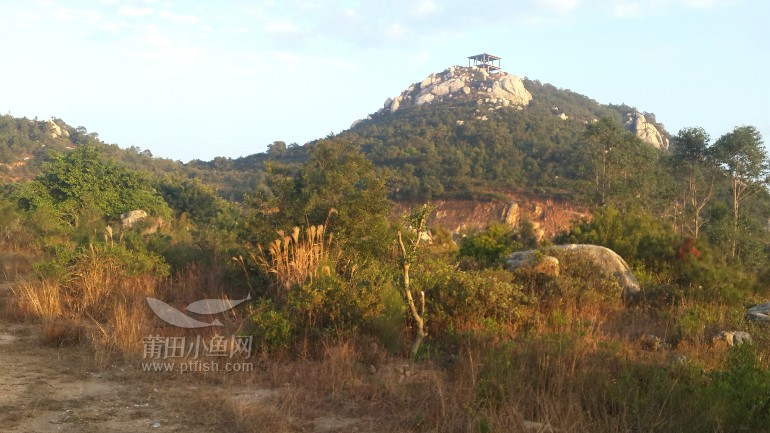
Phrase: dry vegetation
(569, 366)
(332, 321)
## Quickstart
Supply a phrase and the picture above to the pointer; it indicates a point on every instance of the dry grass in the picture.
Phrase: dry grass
(296, 258)
(564, 369)
(39, 299)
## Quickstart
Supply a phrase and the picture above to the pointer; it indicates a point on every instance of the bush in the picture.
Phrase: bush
(493, 244)
(635, 236)
(739, 395)
(273, 328)
(469, 300)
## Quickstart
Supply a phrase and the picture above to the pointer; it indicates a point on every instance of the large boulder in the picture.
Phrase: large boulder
(759, 313)
(734, 338)
(604, 259)
(646, 131)
(56, 131)
(500, 89)
(511, 88)
(446, 87)
(395, 104)
(130, 218)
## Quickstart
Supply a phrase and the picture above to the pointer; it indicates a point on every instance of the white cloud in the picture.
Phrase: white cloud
(426, 7)
(169, 56)
(700, 4)
(627, 9)
(65, 14)
(281, 27)
(92, 16)
(109, 26)
(132, 12)
(285, 57)
(562, 6)
(396, 31)
(179, 18)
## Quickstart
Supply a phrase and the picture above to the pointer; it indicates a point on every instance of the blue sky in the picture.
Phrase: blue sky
(199, 79)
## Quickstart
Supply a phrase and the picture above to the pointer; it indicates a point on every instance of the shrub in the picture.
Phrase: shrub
(469, 300)
(493, 244)
(273, 328)
(739, 395)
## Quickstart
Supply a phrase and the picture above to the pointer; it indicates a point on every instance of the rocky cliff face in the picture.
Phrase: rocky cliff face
(498, 91)
(646, 131)
(458, 83)
(548, 217)
(57, 131)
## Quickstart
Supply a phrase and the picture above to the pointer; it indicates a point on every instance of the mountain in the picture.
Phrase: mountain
(459, 85)
(468, 134)
(463, 138)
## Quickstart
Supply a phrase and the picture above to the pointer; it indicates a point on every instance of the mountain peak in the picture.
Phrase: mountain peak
(465, 84)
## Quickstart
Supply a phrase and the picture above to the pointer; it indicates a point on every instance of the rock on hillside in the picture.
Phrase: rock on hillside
(468, 83)
(604, 259)
(547, 216)
(646, 131)
(57, 131)
(501, 90)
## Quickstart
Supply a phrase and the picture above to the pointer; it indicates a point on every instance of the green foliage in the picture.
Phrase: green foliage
(741, 391)
(492, 245)
(193, 198)
(635, 236)
(337, 185)
(133, 259)
(465, 301)
(388, 324)
(84, 180)
(621, 165)
(743, 155)
(272, 328)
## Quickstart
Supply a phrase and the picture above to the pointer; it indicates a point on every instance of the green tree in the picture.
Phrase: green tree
(742, 155)
(611, 150)
(494, 244)
(337, 180)
(84, 180)
(691, 155)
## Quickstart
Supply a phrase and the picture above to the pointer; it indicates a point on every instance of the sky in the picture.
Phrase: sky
(198, 79)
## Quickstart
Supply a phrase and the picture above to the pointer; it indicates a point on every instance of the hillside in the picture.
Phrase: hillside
(484, 253)
(464, 133)
(461, 135)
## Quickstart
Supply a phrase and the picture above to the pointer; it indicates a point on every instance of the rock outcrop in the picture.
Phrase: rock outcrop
(547, 216)
(543, 265)
(759, 313)
(734, 338)
(57, 131)
(603, 258)
(500, 90)
(646, 131)
(130, 218)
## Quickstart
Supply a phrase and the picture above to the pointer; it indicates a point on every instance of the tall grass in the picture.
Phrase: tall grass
(40, 299)
(296, 258)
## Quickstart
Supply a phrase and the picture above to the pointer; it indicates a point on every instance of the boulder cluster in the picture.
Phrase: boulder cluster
(646, 131)
(57, 131)
(495, 91)
(498, 89)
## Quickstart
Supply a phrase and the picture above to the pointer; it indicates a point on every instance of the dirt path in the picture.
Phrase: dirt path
(49, 389)
(60, 389)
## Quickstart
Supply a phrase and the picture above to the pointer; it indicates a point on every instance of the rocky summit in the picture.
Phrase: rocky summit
(501, 90)
(463, 83)
(646, 131)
